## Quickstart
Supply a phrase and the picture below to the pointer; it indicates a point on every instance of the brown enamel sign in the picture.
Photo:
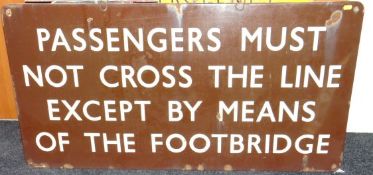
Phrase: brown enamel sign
(193, 86)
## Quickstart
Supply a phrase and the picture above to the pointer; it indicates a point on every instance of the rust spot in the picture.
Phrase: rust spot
(228, 167)
(308, 169)
(139, 60)
(187, 167)
(219, 117)
(200, 167)
(334, 166)
(335, 18)
(341, 156)
(68, 166)
(89, 20)
(37, 165)
(103, 5)
(149, 55)
(29, 161)
(305, 161)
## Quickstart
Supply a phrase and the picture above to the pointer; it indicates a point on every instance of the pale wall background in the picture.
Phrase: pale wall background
(361, 110)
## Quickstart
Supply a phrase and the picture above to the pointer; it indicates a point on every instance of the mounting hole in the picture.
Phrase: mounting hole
(8, 12)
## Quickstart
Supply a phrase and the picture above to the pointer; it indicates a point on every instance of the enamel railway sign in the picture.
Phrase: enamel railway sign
(184, 86)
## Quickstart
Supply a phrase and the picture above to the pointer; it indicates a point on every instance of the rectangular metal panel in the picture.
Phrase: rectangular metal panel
(258, 124)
